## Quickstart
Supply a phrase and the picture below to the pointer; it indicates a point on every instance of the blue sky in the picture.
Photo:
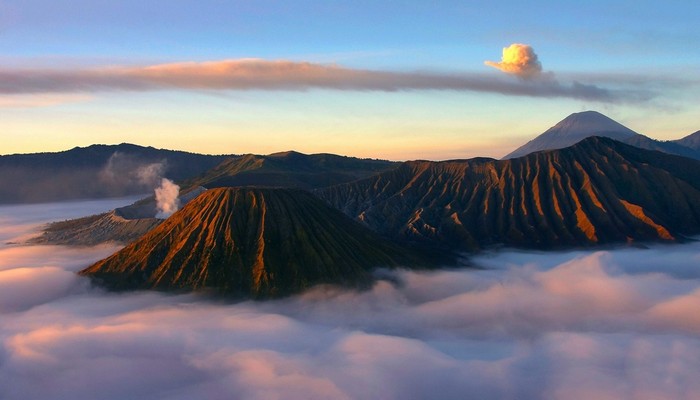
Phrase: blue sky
(642, 52)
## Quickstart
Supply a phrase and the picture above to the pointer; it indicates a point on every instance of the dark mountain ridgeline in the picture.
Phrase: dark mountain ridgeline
(97, 171)
(289, 170)
(670, 147)
(254, 243)
(597, 191)
(283, 170)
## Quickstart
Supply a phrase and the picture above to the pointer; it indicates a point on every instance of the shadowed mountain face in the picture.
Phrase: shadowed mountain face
(579, 126)
(598, 191)
(251, 242)
(97, 171)
(290, 170)
(691, 141)
(670, 147)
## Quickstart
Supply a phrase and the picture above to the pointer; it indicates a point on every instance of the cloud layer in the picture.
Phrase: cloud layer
(576, 325)
(257, 74)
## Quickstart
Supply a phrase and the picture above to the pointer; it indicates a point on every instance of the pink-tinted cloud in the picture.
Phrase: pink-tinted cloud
(520, 60)
(23, 288)
(256, 74)
(577, 325)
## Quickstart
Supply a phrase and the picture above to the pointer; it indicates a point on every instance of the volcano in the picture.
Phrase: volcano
(572, 130)
(251, 242)
(579, 126)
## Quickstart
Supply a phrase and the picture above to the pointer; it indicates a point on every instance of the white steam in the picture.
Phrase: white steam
(150, 174)
(620, 324)
(167, 198)
(125, 170)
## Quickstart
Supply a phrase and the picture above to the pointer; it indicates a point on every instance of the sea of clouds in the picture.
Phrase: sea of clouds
(616, 324)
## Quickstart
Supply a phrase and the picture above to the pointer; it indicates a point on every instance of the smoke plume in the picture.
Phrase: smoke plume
(256, 74)
(127, 171)
(167, 198)
(520, 60)
(150, 174)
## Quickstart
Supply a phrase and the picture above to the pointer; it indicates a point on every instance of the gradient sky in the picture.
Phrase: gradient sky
(391, 79)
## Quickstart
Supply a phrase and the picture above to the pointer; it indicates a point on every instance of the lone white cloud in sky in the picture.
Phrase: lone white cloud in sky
(520, 60)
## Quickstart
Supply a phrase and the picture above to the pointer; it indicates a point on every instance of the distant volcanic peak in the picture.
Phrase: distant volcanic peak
(573, 129)
(251, 242)
(591, 123)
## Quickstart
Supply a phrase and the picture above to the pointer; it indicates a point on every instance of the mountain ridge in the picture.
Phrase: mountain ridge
(289, 169)
(597, 191)
(97, 171)
(691, 141)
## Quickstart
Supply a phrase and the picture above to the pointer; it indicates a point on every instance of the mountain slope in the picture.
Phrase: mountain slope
(597, 191)
(669, 147)
(96, 171)
(123, 225)
(96, 229)
(291, 170)
(691, 141)
(250, 242)
(579, 126)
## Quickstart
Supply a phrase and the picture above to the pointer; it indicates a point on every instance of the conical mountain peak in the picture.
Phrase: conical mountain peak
(588, 123)
(251, 242)
(572, 130)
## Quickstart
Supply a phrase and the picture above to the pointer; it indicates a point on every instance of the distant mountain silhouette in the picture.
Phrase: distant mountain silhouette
(254, 243)
(97, 171)
(282, 170)
(691, 141)
(597, 191)
(579, 126)
(670, 147)
(290, 170)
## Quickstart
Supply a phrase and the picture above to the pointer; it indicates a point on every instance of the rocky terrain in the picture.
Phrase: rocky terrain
(252, 242)
(597, 191)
